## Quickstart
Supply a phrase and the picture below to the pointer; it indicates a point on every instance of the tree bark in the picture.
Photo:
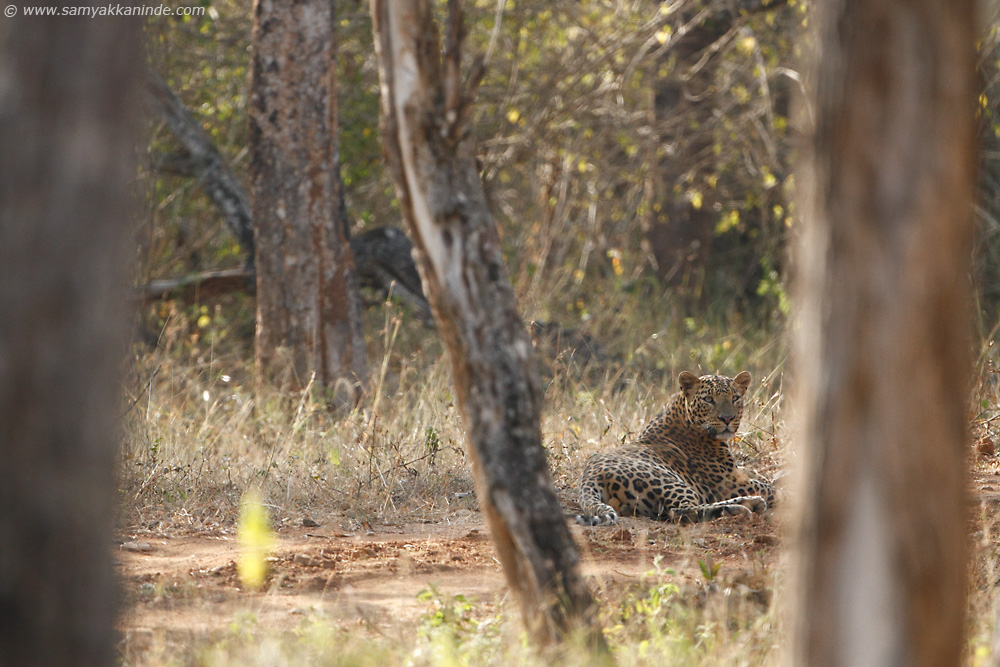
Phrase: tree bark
(67, 148)
(883, 351)
(307, 290)
(424, 117)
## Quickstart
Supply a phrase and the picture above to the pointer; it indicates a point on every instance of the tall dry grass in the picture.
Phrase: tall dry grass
(198, 432)
(197, 435)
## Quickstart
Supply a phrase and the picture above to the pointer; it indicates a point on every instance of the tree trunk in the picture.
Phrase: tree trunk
(307, 292)
(424, 134)
(883, 350)
(67, 148)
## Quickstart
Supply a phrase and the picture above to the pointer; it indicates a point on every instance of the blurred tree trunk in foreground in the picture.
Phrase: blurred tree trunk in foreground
(67, 90)
(883, 352)
(424, 134)
(308, 304)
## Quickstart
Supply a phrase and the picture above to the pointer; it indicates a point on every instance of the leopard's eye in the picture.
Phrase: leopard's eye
(710, 400)
(736, 398)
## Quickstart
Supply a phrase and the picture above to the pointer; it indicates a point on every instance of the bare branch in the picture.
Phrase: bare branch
(199, 285)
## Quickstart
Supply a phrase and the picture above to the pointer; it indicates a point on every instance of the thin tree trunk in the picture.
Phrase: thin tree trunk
(883, 351)
(424, 120)
(214, 174)
(307, 291)
(67, 147)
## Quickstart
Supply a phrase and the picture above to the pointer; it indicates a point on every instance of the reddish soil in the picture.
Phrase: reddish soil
(182, 586)
(185, 585)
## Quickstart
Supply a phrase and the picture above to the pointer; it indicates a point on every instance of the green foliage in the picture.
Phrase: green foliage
(577, 154)
(432, 443)
(453, 614)
(580, 146)
(580, 142)
(371, 199)
(205, 60)
(568, 130)
(709, 568)
(772, 285)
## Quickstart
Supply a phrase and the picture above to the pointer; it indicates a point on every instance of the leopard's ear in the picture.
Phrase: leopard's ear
(742, 382)
(688, 382)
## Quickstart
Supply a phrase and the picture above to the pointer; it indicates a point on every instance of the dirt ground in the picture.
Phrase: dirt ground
(182, 586)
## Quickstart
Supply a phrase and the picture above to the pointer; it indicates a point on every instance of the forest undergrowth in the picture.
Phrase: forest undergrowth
(198, 434)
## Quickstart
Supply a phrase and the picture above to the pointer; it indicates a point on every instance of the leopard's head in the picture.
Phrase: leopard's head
(714, 403)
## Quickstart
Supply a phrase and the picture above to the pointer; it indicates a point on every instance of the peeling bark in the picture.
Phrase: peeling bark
(424, 115)
(307, 292)
(883, 351)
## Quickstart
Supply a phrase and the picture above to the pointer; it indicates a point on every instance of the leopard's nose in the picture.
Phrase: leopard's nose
(727, 419)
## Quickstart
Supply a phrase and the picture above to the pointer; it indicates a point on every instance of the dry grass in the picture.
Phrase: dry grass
(198, 435)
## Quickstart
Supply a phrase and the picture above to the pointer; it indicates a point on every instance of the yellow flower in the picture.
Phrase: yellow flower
(256, 540)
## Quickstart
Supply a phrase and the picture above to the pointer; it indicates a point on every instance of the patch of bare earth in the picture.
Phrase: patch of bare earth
(182, 587)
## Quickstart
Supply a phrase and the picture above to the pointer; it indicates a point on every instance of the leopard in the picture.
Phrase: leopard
(680, 468)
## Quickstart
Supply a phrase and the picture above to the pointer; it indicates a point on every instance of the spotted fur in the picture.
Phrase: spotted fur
(680, 468)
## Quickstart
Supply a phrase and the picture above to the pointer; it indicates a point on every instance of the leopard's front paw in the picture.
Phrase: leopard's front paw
(754, 503)
(603, 515)
(737, 509)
